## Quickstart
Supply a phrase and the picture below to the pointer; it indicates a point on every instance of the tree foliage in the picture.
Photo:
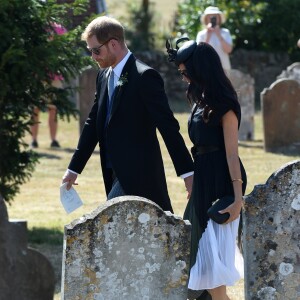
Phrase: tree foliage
(254, 24)
(29, 54)
(139, 25)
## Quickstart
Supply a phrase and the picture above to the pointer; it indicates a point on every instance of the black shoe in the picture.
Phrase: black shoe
(34, 144)
(55, 144)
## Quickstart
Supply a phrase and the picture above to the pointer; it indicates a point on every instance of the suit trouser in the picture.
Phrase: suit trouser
(116, 190)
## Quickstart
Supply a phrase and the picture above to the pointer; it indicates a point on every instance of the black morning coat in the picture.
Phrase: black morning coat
(140, 106)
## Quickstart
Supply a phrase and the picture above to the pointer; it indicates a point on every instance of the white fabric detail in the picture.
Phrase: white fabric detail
(218, 260)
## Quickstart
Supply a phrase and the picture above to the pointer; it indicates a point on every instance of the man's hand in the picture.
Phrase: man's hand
(189, 185)
(70, 178)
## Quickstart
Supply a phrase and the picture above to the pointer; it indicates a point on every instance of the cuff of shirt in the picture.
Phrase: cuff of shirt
(72, 172)
(185, 175)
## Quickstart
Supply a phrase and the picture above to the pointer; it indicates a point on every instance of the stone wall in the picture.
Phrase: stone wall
(263, 67)
(258, 68)
(174, 85)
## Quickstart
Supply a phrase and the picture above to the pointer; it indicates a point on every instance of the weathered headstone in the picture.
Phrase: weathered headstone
(292, 72)
(130, 249)
(25, 274)
(244, 86)
(280, 106)
(86, 93)
(271, 237)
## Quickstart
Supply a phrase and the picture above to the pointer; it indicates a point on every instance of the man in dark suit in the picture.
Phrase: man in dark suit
(130, 104)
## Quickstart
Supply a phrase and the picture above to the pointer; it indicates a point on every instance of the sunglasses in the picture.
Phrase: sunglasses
(183, 73)
(96, 50)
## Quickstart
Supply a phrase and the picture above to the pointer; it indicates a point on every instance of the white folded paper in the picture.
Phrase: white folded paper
(69, 198)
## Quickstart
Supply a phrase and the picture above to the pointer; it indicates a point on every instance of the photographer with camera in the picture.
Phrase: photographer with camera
(216, 36)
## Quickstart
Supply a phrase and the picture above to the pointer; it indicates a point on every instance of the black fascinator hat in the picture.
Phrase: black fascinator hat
(183, 53)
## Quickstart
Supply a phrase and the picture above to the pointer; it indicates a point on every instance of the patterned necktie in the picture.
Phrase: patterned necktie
(111, 85)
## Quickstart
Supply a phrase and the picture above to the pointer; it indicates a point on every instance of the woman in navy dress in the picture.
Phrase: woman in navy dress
(213, 129)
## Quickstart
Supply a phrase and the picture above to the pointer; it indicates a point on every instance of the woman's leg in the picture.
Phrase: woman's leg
(219, 293)
(35, 127)
(52, 121)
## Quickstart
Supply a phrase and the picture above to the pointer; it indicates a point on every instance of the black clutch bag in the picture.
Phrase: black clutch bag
(219, 204)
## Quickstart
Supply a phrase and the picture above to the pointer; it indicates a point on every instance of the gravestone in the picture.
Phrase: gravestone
(280, 104)
(86, 93)
(128, 248)
(271, 225)
(292, 72)
(244, 86)
(25, 274)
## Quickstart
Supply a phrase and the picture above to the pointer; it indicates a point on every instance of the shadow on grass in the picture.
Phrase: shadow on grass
(251, 144)
(293, 150)
(41, 235)
(48, 156)
(287, 151)
(72, 150)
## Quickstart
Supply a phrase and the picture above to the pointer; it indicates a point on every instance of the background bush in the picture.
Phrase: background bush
(254, 24)
(28, 57)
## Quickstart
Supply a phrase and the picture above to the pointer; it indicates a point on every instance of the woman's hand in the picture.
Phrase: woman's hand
(234, 210)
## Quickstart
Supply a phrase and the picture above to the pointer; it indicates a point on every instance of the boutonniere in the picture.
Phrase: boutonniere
(122, 80)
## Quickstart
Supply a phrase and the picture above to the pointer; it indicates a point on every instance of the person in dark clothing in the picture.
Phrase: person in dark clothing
(130, 105)
(213, 129)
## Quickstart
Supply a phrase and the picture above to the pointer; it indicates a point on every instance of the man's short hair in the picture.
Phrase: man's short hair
(104, 28)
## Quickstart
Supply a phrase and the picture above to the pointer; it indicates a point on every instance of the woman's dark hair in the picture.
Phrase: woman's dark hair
(209, 86)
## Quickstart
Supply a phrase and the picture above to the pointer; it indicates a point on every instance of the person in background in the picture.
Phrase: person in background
(213, 128)
(57, 82)
(130, 105)
(216, 36)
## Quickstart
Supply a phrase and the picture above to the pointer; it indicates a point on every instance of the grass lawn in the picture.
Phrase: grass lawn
(38, 201)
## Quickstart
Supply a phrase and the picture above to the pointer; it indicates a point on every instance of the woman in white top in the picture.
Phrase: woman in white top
(216, 36)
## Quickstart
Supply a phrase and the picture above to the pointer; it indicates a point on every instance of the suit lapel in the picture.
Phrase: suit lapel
(122, 84)
(103, 94)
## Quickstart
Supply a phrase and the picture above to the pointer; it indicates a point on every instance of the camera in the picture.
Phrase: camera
(213, 21)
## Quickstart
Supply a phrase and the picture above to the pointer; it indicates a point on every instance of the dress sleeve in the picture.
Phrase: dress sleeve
(222, 109)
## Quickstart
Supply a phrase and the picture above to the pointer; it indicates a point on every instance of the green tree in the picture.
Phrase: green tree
(280, 27)
(140, 24)
(242, 17)
(254, 24)
(29, 54)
